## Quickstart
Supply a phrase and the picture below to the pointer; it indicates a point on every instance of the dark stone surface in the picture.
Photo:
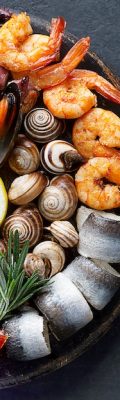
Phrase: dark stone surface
(95, 375)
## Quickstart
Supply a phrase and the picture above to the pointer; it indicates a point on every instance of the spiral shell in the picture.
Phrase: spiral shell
(54, 253)
(34, 262)
(27, 187)
(65, 233)
(24, 157)
(28, 222)
(59, 156)
(59, 200)
(42, 126)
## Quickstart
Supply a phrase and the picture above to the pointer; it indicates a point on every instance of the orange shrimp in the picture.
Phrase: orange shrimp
(16, 31)
(96, 82)
(57, 73)
(90, 185)
(97, 134)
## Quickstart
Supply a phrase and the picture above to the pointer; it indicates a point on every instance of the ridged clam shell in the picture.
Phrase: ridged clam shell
(28, 336)
(28, 222)
(99, 235)
(96, 279)
(41, 126)
(53, 252)
(59, 200)
(24, 157)
(51, 156)
(65, 233)
(26, 188)
(64, 307)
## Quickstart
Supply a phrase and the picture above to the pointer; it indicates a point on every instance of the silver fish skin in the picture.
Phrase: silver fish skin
(64, 307)
(28, 336)
(96, 279)
(99, 235)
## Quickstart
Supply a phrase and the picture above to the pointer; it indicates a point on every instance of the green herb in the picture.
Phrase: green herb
(15, 287)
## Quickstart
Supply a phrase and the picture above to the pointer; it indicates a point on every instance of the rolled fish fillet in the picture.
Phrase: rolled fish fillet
(99, 234)
(64, 307)
(96, 279)
(28, 336)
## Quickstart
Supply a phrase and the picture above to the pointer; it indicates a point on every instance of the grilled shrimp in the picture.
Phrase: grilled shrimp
(69, 99)
(57, 73)
(91, 187)
(19, 52)
(97, 134)
(96, 82)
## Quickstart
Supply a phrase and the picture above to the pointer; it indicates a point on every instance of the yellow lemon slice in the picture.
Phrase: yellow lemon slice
(3, 202)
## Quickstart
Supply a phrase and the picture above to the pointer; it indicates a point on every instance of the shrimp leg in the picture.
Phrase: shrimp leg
(96, 82)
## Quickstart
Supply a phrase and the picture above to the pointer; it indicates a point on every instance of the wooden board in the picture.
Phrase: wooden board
(13, 372)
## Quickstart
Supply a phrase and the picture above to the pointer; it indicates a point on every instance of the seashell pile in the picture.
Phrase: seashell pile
(57, 227)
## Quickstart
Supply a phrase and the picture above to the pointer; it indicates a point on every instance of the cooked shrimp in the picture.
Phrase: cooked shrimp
(90, 185)
(96, 82)
(97, 134)
(69, 100)
(57, 73)
(19, 52)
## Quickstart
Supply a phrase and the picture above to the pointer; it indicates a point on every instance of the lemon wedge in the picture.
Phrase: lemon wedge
(3, 202)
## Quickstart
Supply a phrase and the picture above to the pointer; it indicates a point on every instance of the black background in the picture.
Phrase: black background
(95, 375)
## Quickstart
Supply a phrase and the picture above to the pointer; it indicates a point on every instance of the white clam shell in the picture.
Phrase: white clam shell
(28, 336)
(53, 252)
(65, 307)
(96, 279)
(99, 235)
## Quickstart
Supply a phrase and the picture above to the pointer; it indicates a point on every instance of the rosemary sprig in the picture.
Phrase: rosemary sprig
(15, 287)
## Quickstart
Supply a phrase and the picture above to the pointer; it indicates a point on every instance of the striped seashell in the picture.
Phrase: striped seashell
(60, 156)
(41, 126)
(28, 222)
(65, 233)
(59, 200)
(26, 188)
(24, 157)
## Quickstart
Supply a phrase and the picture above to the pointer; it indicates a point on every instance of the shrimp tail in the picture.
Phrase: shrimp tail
(76, 54)
(53, 53)
(55, 74)
(96, 82)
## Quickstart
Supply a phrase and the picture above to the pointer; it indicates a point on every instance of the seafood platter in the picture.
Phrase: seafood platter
(59, 196)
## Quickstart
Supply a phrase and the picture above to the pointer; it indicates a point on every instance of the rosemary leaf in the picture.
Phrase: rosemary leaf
(15, 287)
